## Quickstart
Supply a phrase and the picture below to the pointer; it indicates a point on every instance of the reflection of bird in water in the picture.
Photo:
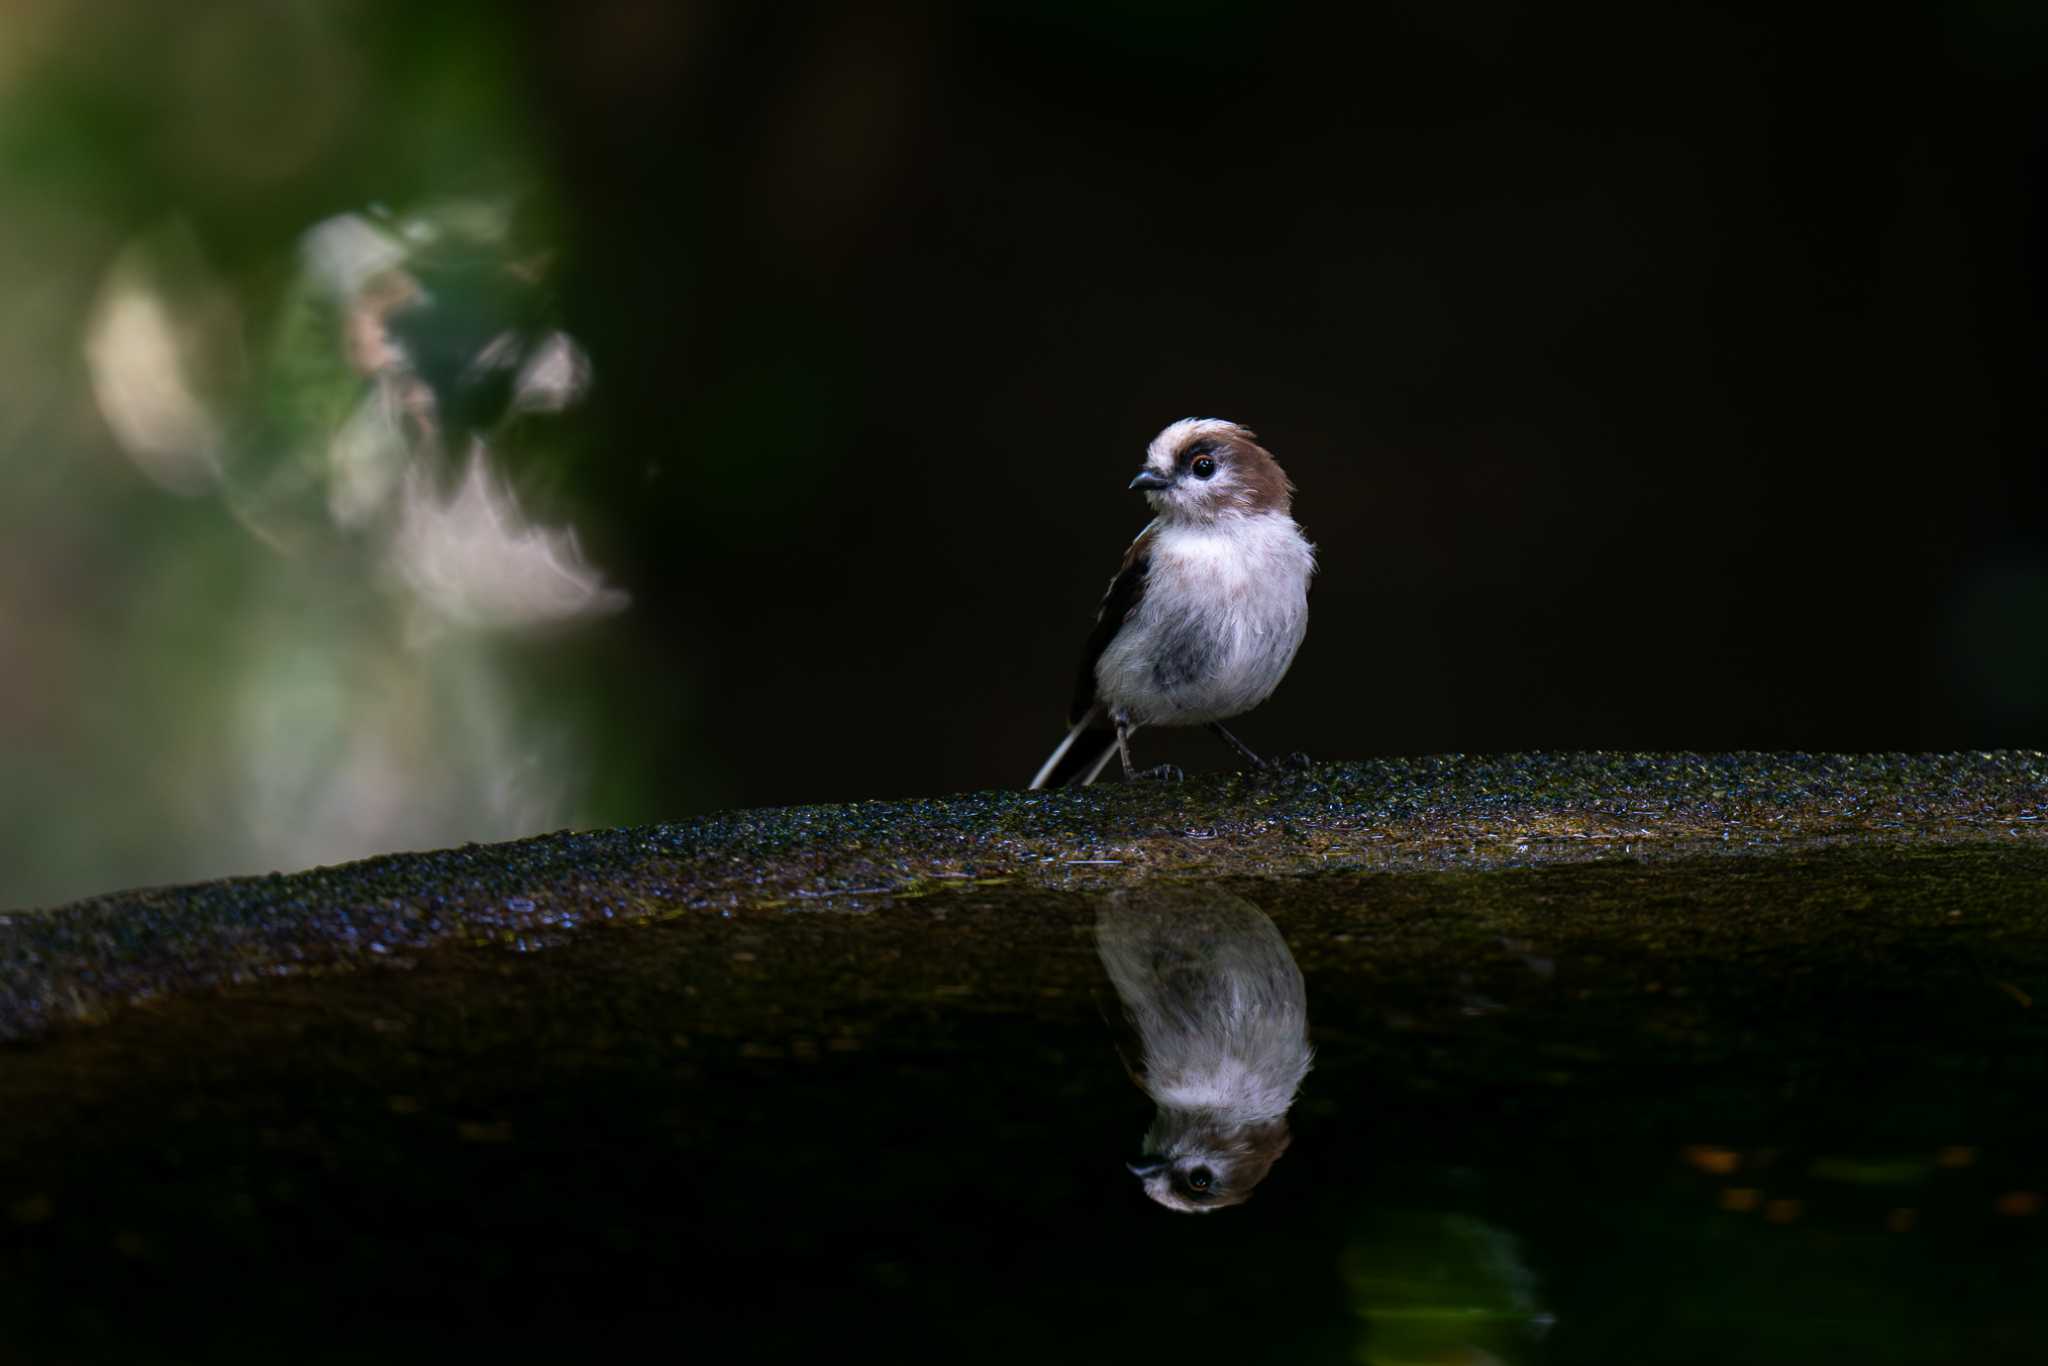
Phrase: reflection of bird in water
(1222, 1023)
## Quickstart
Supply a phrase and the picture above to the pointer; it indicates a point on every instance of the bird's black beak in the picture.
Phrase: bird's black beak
(1150, 479)
(1147, 1166)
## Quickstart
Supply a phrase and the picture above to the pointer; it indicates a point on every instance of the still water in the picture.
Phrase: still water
(1738, 1111)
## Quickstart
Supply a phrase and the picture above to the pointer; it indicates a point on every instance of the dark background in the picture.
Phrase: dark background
(1653, 377)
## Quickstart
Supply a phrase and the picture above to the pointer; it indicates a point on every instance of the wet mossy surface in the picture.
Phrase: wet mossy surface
(1658, 1059)
(1446, 814)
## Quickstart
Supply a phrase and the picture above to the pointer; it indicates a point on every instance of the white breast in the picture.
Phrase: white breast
(1225, 608)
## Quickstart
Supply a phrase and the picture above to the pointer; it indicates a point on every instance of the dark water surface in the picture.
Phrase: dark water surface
(1734, 1110)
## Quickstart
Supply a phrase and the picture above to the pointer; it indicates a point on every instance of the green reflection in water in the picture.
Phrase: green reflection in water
(1439, 1287)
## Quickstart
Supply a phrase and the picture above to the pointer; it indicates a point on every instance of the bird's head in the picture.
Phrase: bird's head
(1203, 468)
(1195, 1165)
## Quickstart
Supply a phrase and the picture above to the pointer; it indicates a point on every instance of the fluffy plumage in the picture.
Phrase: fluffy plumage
(1221, 1016)
(1208, 607)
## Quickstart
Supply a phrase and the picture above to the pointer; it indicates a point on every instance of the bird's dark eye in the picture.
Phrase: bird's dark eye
(1199, 1179)
(1203, 467)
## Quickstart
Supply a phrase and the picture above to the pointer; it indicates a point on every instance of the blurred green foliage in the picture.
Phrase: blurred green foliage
(235, 625)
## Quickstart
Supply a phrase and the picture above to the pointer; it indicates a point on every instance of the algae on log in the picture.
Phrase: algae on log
(1444, 814)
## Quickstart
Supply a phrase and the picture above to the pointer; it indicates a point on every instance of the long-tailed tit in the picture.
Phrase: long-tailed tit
(1221, 1016)
(1205, 614)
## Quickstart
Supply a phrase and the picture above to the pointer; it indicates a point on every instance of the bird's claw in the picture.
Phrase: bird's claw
(1160, 773)
(1296, 761)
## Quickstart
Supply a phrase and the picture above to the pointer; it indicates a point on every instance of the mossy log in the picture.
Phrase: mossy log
(1451, 814)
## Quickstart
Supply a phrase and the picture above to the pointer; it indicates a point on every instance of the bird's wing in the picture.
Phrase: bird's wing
(1126, 591)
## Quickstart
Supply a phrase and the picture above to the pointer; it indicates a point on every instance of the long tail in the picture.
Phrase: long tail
(1081, 756)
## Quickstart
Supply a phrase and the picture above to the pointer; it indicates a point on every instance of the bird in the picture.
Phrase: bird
(1221, 1016)
(1207, 610)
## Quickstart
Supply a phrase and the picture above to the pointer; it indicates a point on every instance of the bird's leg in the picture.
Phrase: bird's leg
(1125, 729)
(1123, 744)
(1240, 746)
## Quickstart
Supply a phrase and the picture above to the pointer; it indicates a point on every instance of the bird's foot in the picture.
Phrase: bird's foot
(1296, 761)
(1159, 773)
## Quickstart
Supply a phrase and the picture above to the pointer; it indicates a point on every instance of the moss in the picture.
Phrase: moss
(1453, 815)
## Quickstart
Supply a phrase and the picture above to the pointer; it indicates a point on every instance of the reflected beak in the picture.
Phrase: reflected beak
(1148, 479)
(1147, 1166)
